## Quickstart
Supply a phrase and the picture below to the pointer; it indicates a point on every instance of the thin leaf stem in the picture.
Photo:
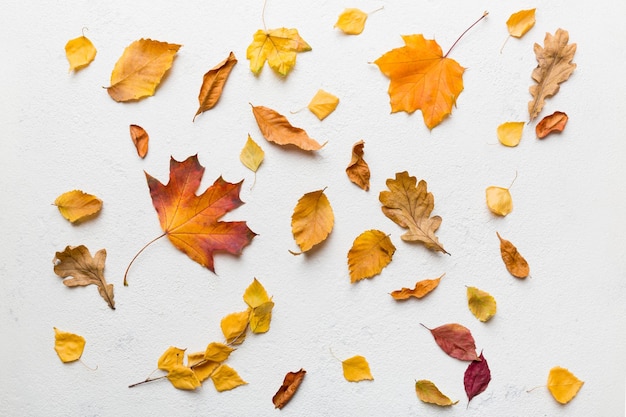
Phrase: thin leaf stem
(513, 181)
(135, 257)
(147, 380)
(263, 15)
(377, 10)
(485, 13)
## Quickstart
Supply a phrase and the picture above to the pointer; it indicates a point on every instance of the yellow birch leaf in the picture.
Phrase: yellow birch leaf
(217, 352)
(261, 317)
(371, 251)
(499, 200)
(563, 384)
(312, 220)
(322, 104)
(510, 133)
(429, 393)
(234, 327)
(358, 171)
(251, 155)
(255, 294)
(276, 46)
(140, 69)
(213, 84)
(183, 377)
(171, 358)
(226, 378)
(481, 303)
(201, 367)
(69, 346)
(276, 128)
(140, 139)
(521, 22)
(76, 205)
(351, 21)
(79, 52)
(356, 369)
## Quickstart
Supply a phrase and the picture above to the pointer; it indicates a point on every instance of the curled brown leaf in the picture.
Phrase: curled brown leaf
(289, 387)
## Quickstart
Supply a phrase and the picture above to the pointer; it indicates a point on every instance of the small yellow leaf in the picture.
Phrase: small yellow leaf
(255, 294)
(171, 358)
(499, 200)
(234, 327)
(481, 303)
(521, 22)
(276, 46)
(200, 366)
(429, 393)
(251, 155)
(312, 220)
(226, 378)
(323, 104)
(261, 317)
(351, 21)
(510, 133)
(356, 369)
(217, 352)
(563, 384)
(79, 52)
(69, 346)
(371, 251)
(183, 377)
(76, 205)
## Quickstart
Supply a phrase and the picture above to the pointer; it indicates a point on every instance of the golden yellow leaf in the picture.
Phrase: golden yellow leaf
(140, 69)
(510, 133)
(201, 367)
(213, 84)
(351, 21)
(356, 369)
(563, 384)
(79, 52)
(499, 200)
(276, 128)
(429, 393)
(358, 171)
(422, 288)
(217, 352)
(76, 205)
(276, 46)
(140, 139)
(226, 378)
(481, 303)
(312, 220)
(183, 377)
(371, 251)
(251, 155)
(513, 260)
(521, 22)
(234, 327)
(171, 358)
(255, 294)
(260, 317)
(322, 104)
(69, 346)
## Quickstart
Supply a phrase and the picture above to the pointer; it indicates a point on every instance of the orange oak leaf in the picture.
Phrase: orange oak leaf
(213, 84)
(140, 139)
(514, 262)
(190, 221)
(422, 288)
(358, 171)
(276, 128)
(276, 46)
(456, 340)
(553, 123)
(289, 387)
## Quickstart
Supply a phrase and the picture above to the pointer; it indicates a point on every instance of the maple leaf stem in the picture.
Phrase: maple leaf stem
(263, 15)
(147, 380)
(485, 13)
(138, 253)
(377, 10)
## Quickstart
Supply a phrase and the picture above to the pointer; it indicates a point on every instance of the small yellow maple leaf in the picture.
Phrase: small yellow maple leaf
(77, 205)
(68, 346)
(79, 52)
(510, 133)
(322, 104)
(356, 369)
(429, 393)
(371, 251)
(312, 220)
(481, 303)
(276, 46)
(226, 378)
(563, 384)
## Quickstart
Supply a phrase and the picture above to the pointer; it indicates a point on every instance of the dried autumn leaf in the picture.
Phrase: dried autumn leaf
(553, 123)
(76, 262)
(140, 69)
(251, 155)
(261, 306)
(226, 378)
(140, 139)
(234, 327)
(276, 46)
(410, 207)
(213, 84)
(312, 220)
(563, 384)
(481, 303)
(79, 52)
(371, 251)
(510, 133)
(183, 377)
(217, 352)
(499, 200)
(422, 288)
(201, 367)
(521, 22)
(514, 262)
(358, 171)
(554, 67)
(456, 340)
(171, 358)
(288, 389)
(68, 346)
(477, 377)
(351, 21)
(76, 205)
(429, 393)
(356, 369)
(255, 295)
(276, 128)
(322, 104)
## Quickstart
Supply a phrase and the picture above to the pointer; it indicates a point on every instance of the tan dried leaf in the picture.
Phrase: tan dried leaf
(514, 262)
(358, 171)
(276, 128)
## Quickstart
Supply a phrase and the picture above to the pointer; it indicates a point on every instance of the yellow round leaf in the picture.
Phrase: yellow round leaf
(351, 21)
(510, 133)
(371, 251)
(356, 369)
(323, 104)
(312, 220)
(69, 346)
(521, 22)
(563, 384)
(79, 52)
(481, 303)
(76, 205)
(499, 200)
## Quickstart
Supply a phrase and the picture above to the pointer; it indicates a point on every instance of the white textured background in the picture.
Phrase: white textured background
(62, 131)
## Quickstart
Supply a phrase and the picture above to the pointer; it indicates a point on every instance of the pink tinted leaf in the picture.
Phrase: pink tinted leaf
(456, 340)
(477, 377)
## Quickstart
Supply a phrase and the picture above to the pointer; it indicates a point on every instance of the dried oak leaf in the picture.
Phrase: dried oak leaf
(358, 171)
(410, 207)
(553, 123)
(79, 52)
(276, 46)
(140, 69)
(477, 377)
(276, 128)
(76, 262)
(213, 84)
(261, 306)
(456, 340)
(288, 389)
(554, 67)
(77, 205)
(322, 104)
(371, 251)
(514, 262)
(422, 288)
(140, 139)
(68, 346)
(226, 378)
(356, 369)
(429, 393)
(481, 303)
(312, 220)
(563, 384)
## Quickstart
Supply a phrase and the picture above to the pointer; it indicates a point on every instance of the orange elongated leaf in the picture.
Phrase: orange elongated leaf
(77, 205)
(287, 390)
(481, 303)
(477, 377)
(371, 251)
(312, 220)
(554, 67)
(510, 133)
(422, 288)
(68, 346)
(140, 139)
(456, 340)
(513, 260)
(428, 392)
(409, 206)
(521, 22)
(226, 378)
(171, 358)
(77, 263)
(213, 84)
(140, 69)
(276, 46)
(563, 384)
(322, 104)
(276, 128)
(358, 171)
(553, 123)
(183, 378)
(79, 52)
(356, 369)
(499, 200)
(234, 327)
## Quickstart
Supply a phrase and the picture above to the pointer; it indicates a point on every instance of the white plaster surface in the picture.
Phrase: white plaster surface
(62, 131)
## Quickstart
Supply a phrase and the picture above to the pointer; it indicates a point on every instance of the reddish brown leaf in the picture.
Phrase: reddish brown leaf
(422, 288)
(290, 385)
(477, 377)
(456, 340)
(358, 171)
(140, 139)
(514, 262)
(553, 123)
